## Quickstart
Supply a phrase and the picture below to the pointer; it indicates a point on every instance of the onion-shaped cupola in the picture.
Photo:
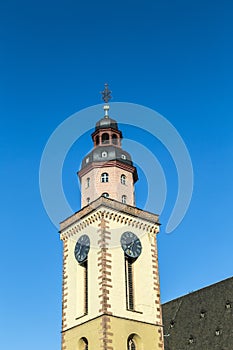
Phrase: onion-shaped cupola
(107, 170)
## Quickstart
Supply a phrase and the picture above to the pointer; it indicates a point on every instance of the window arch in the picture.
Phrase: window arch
(104, 177)
(124, 199)
(105, 194)
(123, 179)
(114, 139)
(105, 138)
(131, 345)
(134, 342)
(83, 344)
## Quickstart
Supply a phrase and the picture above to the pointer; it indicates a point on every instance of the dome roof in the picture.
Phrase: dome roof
(106, 122)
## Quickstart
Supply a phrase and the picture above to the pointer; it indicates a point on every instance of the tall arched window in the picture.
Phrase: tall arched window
(83, 344)
(131, 343)
(114, 139)
(97, 140)
(88, 182)
(129, 280)
(85, 266)
(105, 138)
(104, 177)
(123, 179)
(123, 199)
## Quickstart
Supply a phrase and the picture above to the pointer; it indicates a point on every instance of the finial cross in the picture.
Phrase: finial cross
(106, 94)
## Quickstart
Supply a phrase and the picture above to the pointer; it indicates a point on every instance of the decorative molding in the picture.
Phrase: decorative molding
(64, 292)
(113, 216)
(156, 287)
(105, 266)
(109, 204)
(105, 334)
(106, 164)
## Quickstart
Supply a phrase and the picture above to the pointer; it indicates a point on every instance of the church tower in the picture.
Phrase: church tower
(111, 291)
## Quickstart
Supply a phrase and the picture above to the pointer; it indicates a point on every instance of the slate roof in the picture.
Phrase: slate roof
(111, 153)
(202, 320)
(106, 122)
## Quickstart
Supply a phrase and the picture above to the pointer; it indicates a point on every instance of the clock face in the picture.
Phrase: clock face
(82, 248)
(131, 245)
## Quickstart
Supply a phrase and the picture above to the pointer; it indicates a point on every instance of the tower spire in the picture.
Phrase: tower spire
(106, 96)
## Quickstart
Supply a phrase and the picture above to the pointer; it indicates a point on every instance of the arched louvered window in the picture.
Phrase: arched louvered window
(83, 344)
(131, 343)
(114, 139)
(85, 266)
(105, 138)
(104, 177)
(97, 140)
(124, 199)
(129, 284)
(123, 179)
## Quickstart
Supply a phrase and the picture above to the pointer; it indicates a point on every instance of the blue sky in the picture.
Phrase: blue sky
(172, 56)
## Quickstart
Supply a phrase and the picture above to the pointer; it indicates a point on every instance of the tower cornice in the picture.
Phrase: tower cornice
(111, 210)
(110, 163)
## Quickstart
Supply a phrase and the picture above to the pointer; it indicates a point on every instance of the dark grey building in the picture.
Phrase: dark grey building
(202, 320)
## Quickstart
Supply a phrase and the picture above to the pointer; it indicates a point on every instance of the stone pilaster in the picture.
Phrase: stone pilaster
(105, 284)
(156, 287)
(64, 291)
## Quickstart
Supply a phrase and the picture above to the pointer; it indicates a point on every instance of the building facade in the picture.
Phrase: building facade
(111, 290)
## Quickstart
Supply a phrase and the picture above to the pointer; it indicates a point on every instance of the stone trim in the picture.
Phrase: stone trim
(114, 216)
(123, 209)
(109, 163)
(105, 266)
(105, 333)
(156, 287)
(161, 340)
(64, 292)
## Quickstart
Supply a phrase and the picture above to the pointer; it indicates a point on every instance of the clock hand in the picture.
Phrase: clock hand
(130, 245)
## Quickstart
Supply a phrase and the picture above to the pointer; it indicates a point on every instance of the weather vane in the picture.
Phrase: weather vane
(106, 94)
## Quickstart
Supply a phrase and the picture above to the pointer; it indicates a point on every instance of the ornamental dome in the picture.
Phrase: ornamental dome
(106, 122)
